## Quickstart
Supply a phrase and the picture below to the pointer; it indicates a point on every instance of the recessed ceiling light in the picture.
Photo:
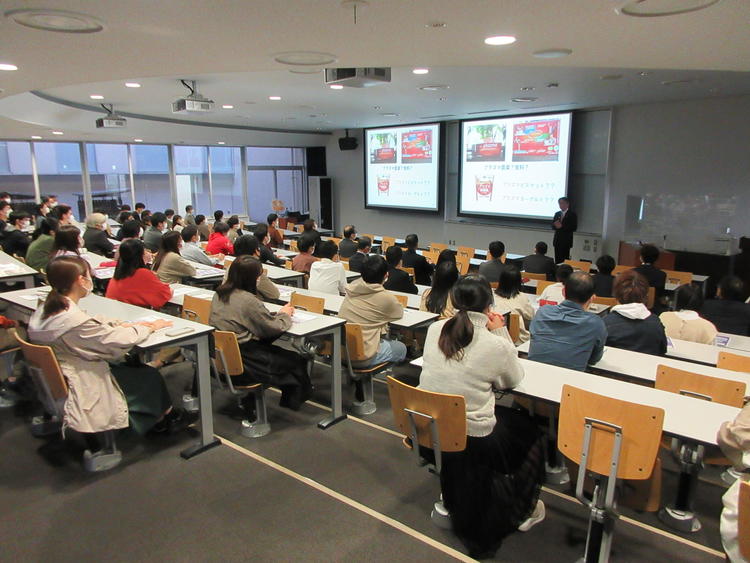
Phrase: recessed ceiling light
(8, 66)
(37, 137)
(55, 20)
(220, 143)
(421, 70)
(527, 89)
(523, 100)
(336, 87)
(552, 53)
(96, 97)
(138, 140)
(132, 85)
(434, 87)
(305, 58)
(659, 8)
(643, 73)
(274, 98)
(57, 132)
(389, 114)
(436, 25)
(227, 106)
(611, 77)
(500, 40)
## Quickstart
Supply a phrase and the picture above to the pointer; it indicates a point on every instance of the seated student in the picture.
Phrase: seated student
(630, 325)
(368, 303)
(728, 312)
(348, 245)
(446, 254)
(539, 262)
(132, 230)
(42, 210)
(146, 219)
(734, 440)
(5, 211)
(68, 242)
(189, 215)
(364, 244)
(398, 280)
(169, 265)
(178, 223)
(139, 209)
(203, 228)
(508, 297)
(655, 277)
(103, 393)
(274, 234)
(566, 335)
(305, 258)
(234, 228)
(492, 268)
(247, 245)
(153, 233)
(309, 228)
(437, 299)
(63, 213)
(266, 252)
(604, 279)
(37, 256)
(191, 250)
(218, 243)
(471, 355)
(169, 214)
(218, 216)
(327, 274)
(17, 240)
(133, 282)
(95, 236)
(684, 323)
(122, 218)
(554, 292)
(422, 267)
(236, 308)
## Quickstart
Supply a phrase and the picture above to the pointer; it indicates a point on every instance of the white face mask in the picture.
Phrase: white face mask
(9, 210)
(52, 204)
(88, 289)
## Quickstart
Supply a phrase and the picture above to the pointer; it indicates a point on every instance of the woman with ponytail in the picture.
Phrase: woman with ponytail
(492, 487)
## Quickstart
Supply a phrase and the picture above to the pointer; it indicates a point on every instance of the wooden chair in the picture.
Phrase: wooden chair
(541, 285)
(733, 362)
(463, 265)
(364, 403)
(494, 285)
(52, 390)
(308, 303)
(431, 255)
(403, 299)
(621, 268)
(228, 363)
(196, 309)
(743, 520)
(439, 246)
(607, 301)
(299, 228)
(466, 251)
(335, 240)
(706, 387)
(435, 421)
(293, 245)
(610, 440)
(651, 297)
(345, 263)
(288, 265)
(680, 278)
(387, 243)
(409, 271)
(532, 276)
(514, 327)
(579, 265)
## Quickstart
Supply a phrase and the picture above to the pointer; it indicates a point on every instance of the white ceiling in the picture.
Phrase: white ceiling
(228, 47)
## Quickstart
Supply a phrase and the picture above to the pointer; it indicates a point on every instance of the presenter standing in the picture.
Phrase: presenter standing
(565, 223)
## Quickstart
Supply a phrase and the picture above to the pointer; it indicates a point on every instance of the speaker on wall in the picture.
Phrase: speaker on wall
(316, 161)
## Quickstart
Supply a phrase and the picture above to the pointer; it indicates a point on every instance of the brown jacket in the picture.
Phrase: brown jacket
(246, 316)
(174, 268)
(266, 289)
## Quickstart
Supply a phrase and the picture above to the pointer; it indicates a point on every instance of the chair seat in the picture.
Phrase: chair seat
(371, 369)
(247, 387)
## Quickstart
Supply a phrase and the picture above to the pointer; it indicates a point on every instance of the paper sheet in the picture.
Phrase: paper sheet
(722, 341)
(301, 316)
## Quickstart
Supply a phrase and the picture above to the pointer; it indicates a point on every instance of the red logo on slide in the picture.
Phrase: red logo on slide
(384, 185)
(483, 186)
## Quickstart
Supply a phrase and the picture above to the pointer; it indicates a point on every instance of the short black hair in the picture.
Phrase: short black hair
(189, 232)
(306, 242)
(374, 269)
(541, 247)
(271, 218)
(140, 205)
(157, 218)
(497, 249)
(689, 297)
(731, 288)
(123, 207)
(221, 227)
(563, 199)
(260, 231)
(246, 245)
(309, 225)
(349, 230)
(649, 253)
(169, 212)
(199, 219)
(605, 264)
(364, 243)
(411, 241)
(563, 272)
(130, 229)
(18, 216)
(393, 255)
(579, 287)
(233, 220)
(218, 215)
(188, 208)
(327, 249)
(3, 204)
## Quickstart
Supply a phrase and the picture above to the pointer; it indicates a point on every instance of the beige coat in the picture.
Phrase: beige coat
(174, 268)
(687, 325)
(83, 346)
(246, 316)
(518, 304)
(370, 305)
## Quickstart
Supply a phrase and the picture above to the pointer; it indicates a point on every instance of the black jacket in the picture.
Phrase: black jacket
(15, 242)
(422, 268)
(646, 336)
(267, 256)
(96, 241)
(347, 248)
(356, 261)
(603, 285)
(728, 316)
(398, 280)
(656, 278)
(564, 235)
(539, 264)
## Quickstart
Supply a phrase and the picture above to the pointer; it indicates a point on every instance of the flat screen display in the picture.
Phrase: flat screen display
(514, 166)
(402, 167)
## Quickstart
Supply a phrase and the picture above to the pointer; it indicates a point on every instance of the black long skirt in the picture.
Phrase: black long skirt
(491, 487)
(271, 365)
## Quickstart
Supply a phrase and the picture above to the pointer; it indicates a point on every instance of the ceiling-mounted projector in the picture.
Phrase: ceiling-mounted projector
(358, 77)
(111, 120)
(194, 103)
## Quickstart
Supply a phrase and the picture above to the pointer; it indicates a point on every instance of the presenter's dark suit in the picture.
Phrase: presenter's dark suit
(563, 240)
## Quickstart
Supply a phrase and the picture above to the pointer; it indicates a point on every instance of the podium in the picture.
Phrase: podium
(629, 254)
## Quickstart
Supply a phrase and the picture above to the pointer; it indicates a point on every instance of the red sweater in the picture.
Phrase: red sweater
(219, 244)
(143, 288)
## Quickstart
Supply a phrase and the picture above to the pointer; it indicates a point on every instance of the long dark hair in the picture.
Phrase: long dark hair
(510, 282)
(471, 293)
(243, 274)
(48, 226)
(131, 259)
(62, 274)
(446, 275)
(170, 242)
(66, 238)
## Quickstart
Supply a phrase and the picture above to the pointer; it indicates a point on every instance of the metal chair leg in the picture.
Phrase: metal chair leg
(104, 459)
(260, 427)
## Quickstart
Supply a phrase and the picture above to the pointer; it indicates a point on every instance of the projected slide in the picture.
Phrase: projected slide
(402, 167)
(514, 166)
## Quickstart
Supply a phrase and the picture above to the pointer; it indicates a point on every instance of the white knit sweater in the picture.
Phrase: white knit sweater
(489, 360)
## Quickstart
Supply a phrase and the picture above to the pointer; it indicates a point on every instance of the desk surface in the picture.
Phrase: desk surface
(696, 352)
(10, 267)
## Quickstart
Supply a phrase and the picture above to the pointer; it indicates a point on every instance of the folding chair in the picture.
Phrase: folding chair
(733, 362)
(607, 301)
(680, 278)
(437, 247)
(387, 242)
(196, 309)
(403, 299)
(463, 264)
(466, 251)
(541, 285)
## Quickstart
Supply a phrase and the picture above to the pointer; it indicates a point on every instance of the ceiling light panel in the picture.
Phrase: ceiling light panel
(55, 20)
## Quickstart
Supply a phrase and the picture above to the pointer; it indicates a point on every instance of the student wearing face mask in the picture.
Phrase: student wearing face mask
(16, 240)
(64, 214)
(5, 196)
(266, 253)
(276, 236)
(169, 265)
(95, 236)
(5, 211)
(42, 210)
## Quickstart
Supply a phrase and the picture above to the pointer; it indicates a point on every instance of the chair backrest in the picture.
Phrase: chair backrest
(532, 276)
(228, 356)
(439, 246)
(336, 241)
(345, 263)
(293, 246)
(734, 362)
(431, 255)
(514, 327)
(196, 309)
(447, 411)
(709, 388)
(402, 299)
(679, 278)
(288, 264)
(463, 264)
(743, 520)
(467, 251)
(608, 301)
(299, 228)
(203, 244)
(651, 297)
(308, 302)
(541, 285)
(387, 243)
(621, 268)
(579, 265)
(355, 342)
(640, 425)
(47, 376)
(409, 271)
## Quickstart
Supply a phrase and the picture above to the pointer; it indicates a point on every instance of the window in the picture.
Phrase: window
(151, 176)
(110, 177)
(226, 179)
(15, 175)
(59, 168)
(276, 173)
(191, 170)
